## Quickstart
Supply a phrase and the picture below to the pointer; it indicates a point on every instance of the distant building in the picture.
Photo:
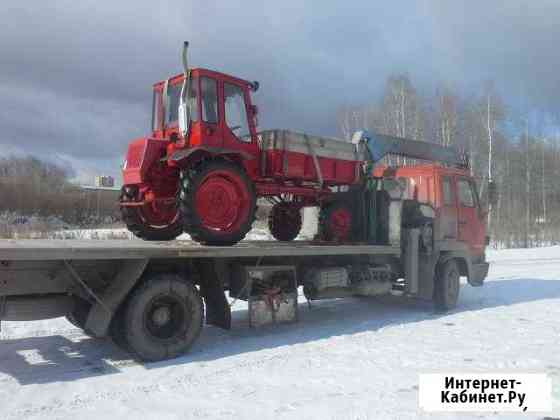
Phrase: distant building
(104, 181)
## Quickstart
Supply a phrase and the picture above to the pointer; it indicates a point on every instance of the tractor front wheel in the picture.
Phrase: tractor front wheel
(284, 221)
(151, 222)
(217, 202)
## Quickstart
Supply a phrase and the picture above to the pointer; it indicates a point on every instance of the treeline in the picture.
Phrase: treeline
(33, 187)
(515, 150)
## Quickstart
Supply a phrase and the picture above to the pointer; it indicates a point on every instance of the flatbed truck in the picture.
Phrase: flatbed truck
(152, 298)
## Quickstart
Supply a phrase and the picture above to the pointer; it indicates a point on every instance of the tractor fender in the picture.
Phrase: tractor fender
(182, 154)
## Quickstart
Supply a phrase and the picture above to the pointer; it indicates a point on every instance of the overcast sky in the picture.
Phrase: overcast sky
(76, 76)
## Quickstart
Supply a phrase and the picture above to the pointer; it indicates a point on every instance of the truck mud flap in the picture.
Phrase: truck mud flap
(218, 311)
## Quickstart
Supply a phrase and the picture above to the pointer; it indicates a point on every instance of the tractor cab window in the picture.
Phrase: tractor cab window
(173, 96)
(236, 112)
(157, 110)
(209, 98)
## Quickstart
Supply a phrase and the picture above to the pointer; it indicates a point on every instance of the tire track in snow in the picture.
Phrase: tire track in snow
(80, 402)
(193, 379)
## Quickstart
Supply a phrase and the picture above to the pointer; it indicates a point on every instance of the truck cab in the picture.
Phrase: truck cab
(452, 192)
(458, 227)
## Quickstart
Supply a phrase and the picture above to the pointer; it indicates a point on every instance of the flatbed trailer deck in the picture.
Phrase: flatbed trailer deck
(152, 298)
(49, 250)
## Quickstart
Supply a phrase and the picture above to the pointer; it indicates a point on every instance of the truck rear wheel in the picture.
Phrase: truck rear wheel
(162, 318)
(335, 222)
(447, 285)
(284, 221)
(147, 223)
(217, 202)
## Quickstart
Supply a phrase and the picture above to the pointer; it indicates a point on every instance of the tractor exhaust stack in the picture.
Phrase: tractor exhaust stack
(184, 112)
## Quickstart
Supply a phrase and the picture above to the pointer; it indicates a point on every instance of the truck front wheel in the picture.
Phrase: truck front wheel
(162, 318)
(217, 202)
(447, 285)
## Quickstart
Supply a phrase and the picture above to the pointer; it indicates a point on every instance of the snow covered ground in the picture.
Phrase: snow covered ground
(345, 359)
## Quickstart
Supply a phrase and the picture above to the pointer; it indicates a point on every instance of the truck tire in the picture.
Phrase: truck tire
(447, 285)
(284, 221)
(217, 202)
(162, 318)
(146, 224)
(117, 328)
(335, 222)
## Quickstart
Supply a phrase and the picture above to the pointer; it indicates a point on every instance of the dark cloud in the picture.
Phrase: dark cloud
(75, 77)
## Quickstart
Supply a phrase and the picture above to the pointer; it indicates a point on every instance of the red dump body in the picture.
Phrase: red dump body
(303, 158)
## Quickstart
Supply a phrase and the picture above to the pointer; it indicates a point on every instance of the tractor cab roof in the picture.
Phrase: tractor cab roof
(200, 72)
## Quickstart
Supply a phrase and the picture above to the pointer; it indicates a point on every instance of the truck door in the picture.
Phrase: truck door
(470, 221)
(448, 208)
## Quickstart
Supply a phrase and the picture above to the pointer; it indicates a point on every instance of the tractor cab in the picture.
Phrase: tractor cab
(220, 112)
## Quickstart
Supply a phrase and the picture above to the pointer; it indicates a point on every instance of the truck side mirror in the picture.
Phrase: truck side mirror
(492, 193)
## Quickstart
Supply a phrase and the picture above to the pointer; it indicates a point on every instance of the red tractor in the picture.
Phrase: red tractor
(204, 165)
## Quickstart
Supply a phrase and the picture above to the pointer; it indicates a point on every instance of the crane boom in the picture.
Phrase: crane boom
(380, 145)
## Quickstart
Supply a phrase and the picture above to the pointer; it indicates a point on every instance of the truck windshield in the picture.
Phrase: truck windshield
(173, 93)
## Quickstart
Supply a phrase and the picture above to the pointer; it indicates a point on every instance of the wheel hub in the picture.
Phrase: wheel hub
(165, 316)
(220, 203)
(161, 316)
(158, 214)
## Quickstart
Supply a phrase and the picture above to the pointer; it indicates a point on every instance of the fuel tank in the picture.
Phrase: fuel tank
(338, 282)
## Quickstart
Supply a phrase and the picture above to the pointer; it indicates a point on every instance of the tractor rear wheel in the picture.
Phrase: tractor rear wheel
(217, 202)
(335, 222)
(160, 223)
(284, 221)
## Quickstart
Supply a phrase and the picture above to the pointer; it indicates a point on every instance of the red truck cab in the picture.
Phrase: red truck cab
(452, 192)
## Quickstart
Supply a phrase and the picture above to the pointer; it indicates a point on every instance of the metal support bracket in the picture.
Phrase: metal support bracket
(315, 160)
(101, 314)
(80, 281)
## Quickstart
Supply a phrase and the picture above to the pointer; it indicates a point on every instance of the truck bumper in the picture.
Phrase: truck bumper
(478, 274)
